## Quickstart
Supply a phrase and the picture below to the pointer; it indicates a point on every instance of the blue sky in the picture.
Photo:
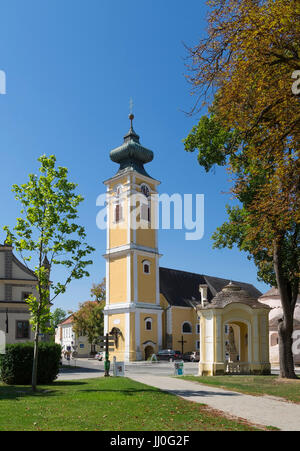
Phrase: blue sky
(71, 68)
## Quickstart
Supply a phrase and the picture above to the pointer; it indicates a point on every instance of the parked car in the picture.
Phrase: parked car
(99, 356)
(191, 356)
(168, 354)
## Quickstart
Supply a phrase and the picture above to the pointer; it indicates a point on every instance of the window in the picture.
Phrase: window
(197, 345)
(226, 329)
(146, 267)
(22, 329)
(198, 329)
(118, 212)
(186, 328)
(146, 207)
(148, 323)
(25, 295)
(118, 190)
(145, 190)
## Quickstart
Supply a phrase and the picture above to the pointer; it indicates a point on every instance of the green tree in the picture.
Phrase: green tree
(243, 72)
(56, 317)
(98, 291)
(89, 321)
(47, 230)
(257, 225)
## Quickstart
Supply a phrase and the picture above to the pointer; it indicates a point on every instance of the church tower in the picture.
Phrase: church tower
(132, 258)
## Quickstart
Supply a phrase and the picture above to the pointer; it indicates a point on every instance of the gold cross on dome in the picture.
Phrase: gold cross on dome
(131, 105)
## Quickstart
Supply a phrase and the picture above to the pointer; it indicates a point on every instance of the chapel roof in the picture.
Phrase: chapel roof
(234, 293)
(181, 288)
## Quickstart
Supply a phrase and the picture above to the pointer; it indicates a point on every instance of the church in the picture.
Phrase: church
(150, 307)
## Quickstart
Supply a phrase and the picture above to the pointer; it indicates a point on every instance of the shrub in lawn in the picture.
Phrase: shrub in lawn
(16, 363)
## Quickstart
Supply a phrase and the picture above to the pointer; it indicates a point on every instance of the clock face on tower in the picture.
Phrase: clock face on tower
(145, 190)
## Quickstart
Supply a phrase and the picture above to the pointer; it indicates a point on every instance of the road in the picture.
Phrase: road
(88, 368)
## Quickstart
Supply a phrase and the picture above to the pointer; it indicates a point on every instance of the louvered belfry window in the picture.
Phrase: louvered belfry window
(118, 213)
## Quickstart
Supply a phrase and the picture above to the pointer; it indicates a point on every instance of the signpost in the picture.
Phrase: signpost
(107, 343)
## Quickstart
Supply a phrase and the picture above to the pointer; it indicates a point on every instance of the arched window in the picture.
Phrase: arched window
(118, 210)
(145, 190)
(146, 207)
(186, 328)
(148, 323)
(146, 267)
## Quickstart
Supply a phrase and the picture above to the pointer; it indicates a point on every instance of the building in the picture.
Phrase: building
(148, 307)
(17, 282)
(272, 298)
(77, 346)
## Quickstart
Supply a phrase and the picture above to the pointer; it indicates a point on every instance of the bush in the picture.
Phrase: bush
(16, 363)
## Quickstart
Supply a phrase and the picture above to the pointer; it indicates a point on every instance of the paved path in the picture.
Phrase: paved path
(262, 410)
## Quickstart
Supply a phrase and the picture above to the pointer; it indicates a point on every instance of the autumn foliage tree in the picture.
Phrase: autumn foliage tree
(243, 72)
(89, 319)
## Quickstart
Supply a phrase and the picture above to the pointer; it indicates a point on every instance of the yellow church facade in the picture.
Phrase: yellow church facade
(151, 307)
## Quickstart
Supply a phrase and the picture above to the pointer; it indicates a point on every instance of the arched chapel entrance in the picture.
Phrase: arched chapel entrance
(237, 347)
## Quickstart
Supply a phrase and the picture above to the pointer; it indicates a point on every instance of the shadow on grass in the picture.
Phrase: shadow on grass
(13, 392)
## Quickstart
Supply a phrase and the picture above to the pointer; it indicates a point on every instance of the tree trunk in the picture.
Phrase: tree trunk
(286, 358)
(35, 360)
(285, 325)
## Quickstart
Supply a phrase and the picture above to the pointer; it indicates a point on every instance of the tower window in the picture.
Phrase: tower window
(145, 190)
(146, 207)
(148, 323)
(118, 212)
(146, 267)
(186, 328)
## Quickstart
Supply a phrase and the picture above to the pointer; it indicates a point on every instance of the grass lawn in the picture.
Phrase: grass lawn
(255, 385)
(109, 404)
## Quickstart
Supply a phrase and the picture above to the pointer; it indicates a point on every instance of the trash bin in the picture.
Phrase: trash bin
(179, 368)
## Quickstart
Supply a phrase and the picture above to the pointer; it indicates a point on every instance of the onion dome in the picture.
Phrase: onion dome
(131, 155)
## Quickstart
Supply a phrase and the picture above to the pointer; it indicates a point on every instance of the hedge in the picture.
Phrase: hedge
(16, 363)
